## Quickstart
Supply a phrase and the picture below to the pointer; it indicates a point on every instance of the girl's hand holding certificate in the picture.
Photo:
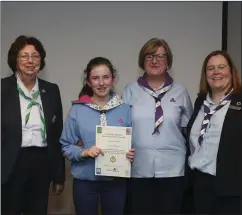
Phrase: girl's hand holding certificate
(93, 152)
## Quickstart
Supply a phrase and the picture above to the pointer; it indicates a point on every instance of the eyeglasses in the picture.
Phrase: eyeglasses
(158, 57)
(26, 57)
(219, 67)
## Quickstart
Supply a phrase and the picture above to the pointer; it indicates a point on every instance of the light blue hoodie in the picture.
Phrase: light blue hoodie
(81, 125)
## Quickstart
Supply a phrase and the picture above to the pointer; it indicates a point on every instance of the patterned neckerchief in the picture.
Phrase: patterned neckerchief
(32, 102)
(209, 113)
(114, 101)
(157, 95)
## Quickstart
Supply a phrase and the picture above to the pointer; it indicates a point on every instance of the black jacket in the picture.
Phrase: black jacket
(11, 128)
(229, 157)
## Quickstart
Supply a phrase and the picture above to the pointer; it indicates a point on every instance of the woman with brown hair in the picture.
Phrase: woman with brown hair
(215, 138)
(161, 110)
(31, 125)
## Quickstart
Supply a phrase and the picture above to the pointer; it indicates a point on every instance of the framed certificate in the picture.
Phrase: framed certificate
(115, 143)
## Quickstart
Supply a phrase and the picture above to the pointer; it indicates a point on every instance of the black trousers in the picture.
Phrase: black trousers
(206, 199)
(27, 188)
(154, 195)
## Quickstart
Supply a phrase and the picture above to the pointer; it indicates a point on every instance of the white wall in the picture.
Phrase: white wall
(234, 44)
(74, 32)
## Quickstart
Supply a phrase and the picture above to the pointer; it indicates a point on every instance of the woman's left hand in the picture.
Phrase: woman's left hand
(130, 155)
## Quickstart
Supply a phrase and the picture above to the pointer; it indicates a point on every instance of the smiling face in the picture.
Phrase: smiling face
(218, 74)
(101, 81)
(156, 64)
(28, 61)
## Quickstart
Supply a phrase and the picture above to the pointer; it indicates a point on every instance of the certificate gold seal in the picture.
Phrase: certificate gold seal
(112, 159)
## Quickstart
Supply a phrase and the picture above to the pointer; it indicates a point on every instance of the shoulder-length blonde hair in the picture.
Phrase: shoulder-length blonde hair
(204, 86)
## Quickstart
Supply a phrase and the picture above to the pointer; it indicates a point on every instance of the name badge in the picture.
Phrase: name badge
(234, 107)
(53, 119)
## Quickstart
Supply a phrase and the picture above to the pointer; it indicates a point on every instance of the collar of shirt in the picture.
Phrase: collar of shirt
(25, 90)
(210, 101)
(212, 105)
(157, 89)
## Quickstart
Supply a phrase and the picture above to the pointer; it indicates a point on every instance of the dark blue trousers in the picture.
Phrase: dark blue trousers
(87, 194)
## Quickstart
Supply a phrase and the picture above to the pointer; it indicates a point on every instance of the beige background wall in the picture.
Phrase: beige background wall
(63, 203)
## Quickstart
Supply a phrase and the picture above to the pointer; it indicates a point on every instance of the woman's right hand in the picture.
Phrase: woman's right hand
(93, 152)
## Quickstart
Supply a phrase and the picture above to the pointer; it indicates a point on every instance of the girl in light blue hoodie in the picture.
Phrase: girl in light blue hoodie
(98, 104)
